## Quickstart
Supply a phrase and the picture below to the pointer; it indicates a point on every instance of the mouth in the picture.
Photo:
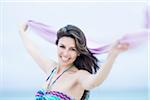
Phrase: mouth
(64, 59)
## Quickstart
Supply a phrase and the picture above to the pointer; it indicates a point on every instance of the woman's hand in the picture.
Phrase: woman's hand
(119, 47)
(23, 27)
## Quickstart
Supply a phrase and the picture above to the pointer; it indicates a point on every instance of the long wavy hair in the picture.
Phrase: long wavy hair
(86, 60)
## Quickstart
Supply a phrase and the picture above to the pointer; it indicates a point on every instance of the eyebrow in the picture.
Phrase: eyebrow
(70, 47)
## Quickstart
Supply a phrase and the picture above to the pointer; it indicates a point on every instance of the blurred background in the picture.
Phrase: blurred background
(104, 22)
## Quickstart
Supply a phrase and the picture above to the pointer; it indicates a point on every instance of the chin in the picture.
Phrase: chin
(65, 64)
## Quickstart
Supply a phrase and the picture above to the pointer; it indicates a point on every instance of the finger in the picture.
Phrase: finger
(23, 26)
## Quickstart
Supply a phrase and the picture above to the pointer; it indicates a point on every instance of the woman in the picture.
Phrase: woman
(76, 71)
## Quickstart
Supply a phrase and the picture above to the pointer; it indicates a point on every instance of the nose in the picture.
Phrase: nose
(65, 53)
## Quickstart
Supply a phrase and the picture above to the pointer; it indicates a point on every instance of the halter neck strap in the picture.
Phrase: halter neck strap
(51, 83)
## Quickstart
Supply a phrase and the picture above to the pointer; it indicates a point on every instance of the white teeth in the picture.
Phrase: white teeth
(64, 59)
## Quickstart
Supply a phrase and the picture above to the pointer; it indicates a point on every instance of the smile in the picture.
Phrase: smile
(64, 59)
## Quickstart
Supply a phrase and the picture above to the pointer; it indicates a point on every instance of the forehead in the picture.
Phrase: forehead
(67, 41)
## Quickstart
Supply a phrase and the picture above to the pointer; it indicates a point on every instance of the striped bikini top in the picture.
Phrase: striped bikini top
(42, 94)
(51, 95)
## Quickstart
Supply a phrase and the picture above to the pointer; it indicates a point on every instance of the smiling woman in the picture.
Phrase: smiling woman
(76, 71)
(67, 52)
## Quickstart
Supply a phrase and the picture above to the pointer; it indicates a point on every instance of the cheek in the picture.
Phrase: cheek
(59, 51)
(74, 56)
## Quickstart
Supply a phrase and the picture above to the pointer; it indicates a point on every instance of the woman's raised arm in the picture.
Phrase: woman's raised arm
(45, 64)
(89, 81)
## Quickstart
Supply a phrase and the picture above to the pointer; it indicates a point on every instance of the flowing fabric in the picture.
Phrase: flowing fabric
(49, 34)
(147, 21)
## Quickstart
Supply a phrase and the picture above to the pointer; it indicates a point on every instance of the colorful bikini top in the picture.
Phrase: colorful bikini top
(42, 94)
(51, 95)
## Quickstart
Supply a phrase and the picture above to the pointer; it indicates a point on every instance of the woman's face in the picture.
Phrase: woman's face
(67, 52)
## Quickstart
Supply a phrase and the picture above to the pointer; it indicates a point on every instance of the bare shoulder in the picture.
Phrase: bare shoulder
(81, 73)
(78, 73)
(83, 78)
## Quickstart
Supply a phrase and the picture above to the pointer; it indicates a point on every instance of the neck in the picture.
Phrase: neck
(62, 68)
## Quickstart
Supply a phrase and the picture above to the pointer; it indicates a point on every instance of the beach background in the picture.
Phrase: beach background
(104, 22)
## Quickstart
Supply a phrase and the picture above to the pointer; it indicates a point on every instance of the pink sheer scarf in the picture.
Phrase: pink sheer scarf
(49, 34)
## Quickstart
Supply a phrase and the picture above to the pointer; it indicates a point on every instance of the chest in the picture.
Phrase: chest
(63, 82)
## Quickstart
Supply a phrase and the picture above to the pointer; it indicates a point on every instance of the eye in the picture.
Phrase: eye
(73, 49)
(61, 46)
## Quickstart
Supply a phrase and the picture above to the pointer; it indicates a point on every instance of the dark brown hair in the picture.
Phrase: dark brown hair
(86, 60)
